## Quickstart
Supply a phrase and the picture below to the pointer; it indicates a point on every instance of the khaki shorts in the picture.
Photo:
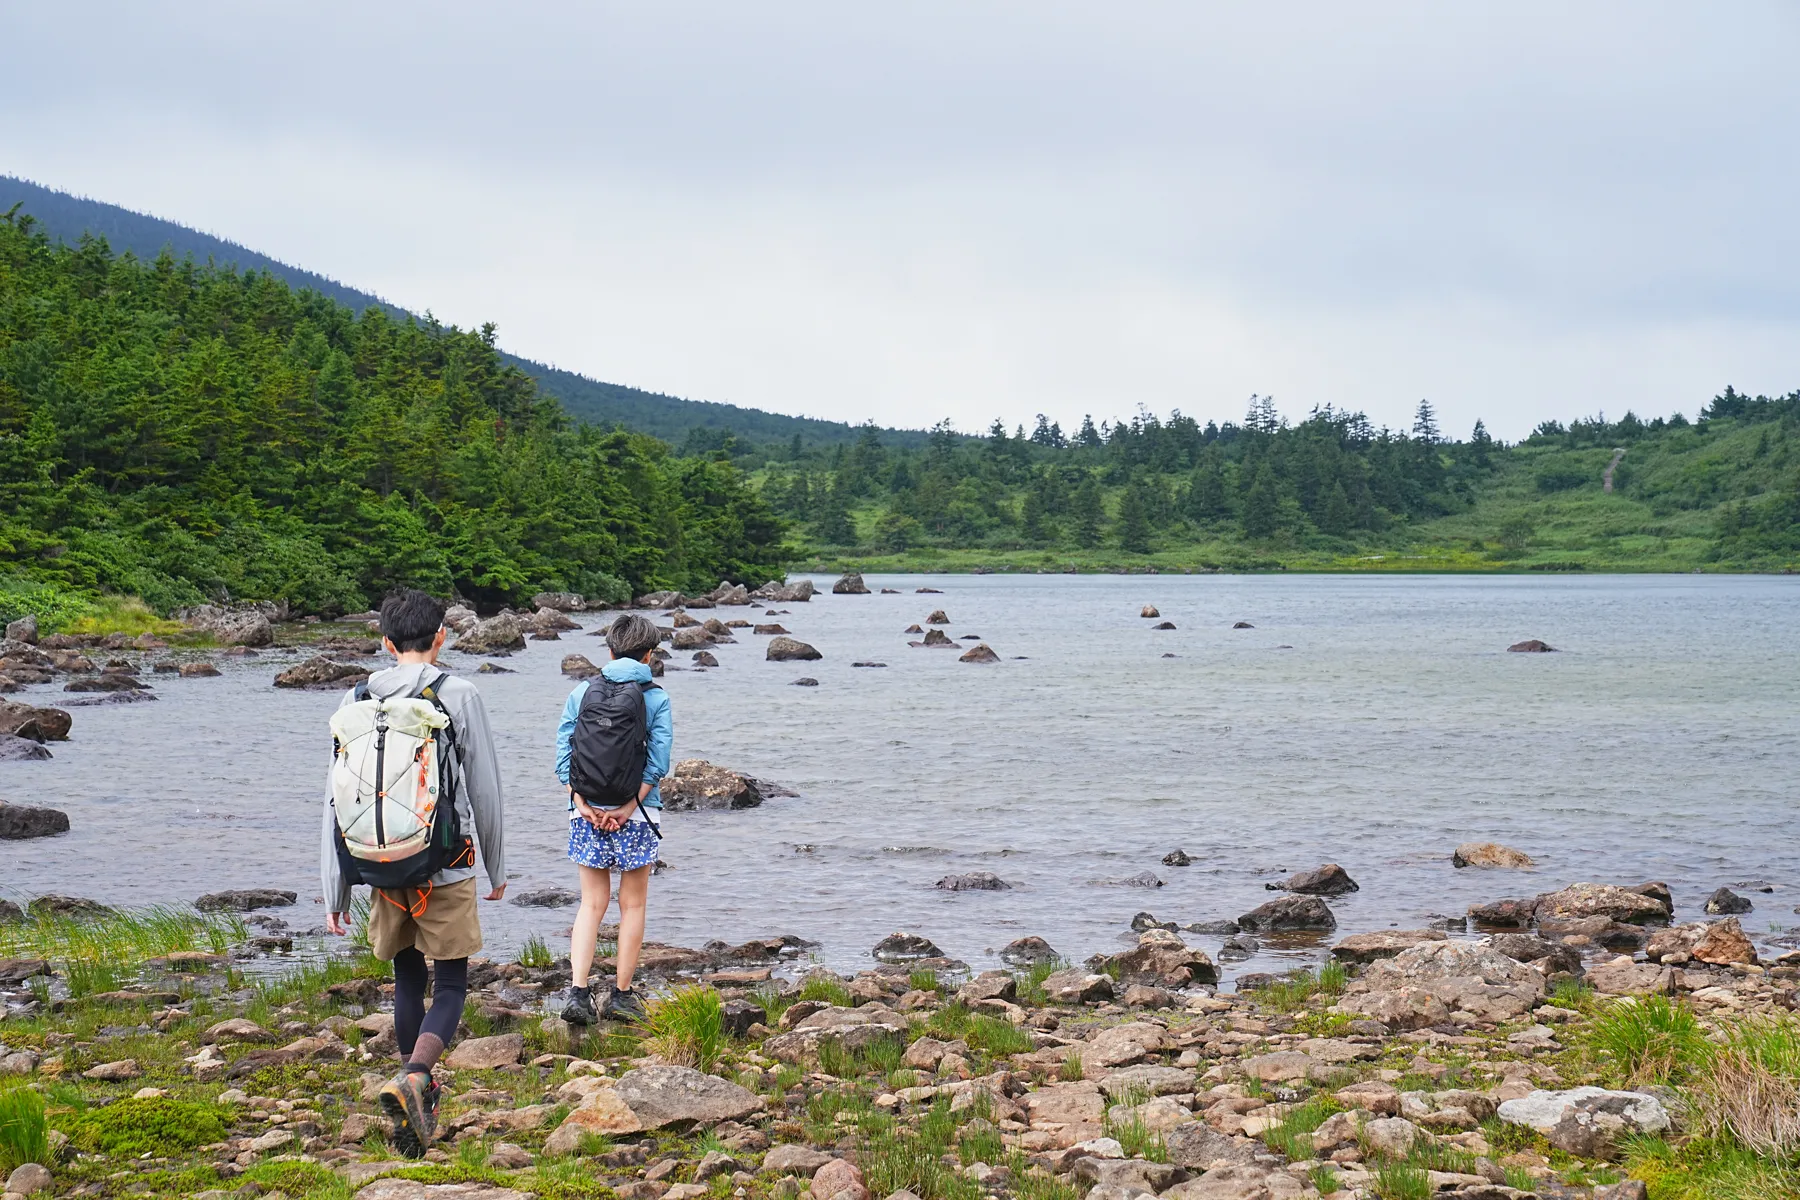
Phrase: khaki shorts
(440, 921)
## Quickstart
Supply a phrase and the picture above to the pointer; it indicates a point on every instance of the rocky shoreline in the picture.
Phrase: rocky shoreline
(1470, 1067)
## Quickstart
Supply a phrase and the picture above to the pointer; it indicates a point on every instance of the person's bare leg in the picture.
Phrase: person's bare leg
(596, 892)
(634, 892)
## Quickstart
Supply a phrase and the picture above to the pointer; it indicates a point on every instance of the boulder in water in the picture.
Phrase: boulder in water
(198, 670)
(1290, 913)
(575, 666)
(805, 681)
(974, 881)
(658, 600)
(704, 658)
(776, 592)
(1726, 902)
(1328, 880)
(937, 637)
(230, 627)
(1532, 646)
(937, 618)
(108, 681)
(320, 672)
(773, 628)
(1489, 854)
(905, 948)
(19, 822)
(1149, 612)
(549, 620)
(1028, 951)
(567, 602)
(695, 637)
(851, 584)
(1243, 625)
(550, 896)
(979, 654)
(73, 907)
(459, 619)
(1504, 914)
(1601, 900)
(37, 724)
(1177, 858)
(489, 668)
(496, 635)
(17, 749)
(787, 649)
(1164, 625)
(245, 900)
(695, 785)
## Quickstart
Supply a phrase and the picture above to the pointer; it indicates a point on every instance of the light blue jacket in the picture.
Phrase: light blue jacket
(656, 712)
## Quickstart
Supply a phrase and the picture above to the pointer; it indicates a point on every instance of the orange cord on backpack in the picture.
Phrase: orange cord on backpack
(415, 912)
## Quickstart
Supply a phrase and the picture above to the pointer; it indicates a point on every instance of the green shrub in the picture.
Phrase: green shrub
(157, 1125)
(1651, 1039)
(54, 607)
(24, 1128)
(687, 1027)
(997, 1037)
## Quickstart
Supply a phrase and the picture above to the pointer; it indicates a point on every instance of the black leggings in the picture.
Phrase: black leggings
(448, 993)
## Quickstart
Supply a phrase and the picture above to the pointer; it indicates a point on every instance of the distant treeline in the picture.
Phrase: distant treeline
(185, 433)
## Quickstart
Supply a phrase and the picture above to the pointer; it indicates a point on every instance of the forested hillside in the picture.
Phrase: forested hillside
(184, 434)
(67, 218)
(1325, 491)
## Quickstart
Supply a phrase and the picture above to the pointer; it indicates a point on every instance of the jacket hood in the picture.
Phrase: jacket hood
(626, 670)
(402, 680)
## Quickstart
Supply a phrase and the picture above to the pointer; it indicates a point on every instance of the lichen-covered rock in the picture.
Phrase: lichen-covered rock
(501, 634)
(321, 672)
(1588, 1122)
(1601, 900)
(1161, 959)
(1289, 913)
(787, 649)
(851, 584)
(979, 653)
(695, 785)
(1489, 854)
(1328, 880)
(1385, 943)
(35, 724)
(245, 900)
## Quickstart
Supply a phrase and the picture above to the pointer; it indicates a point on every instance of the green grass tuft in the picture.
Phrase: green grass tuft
(535, 954)
(997, 1037)
(687, 1027)
(24, 1128)
(1650, 1039)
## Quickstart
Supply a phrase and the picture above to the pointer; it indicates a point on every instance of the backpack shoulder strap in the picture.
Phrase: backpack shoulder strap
(430, 693)
(648, 686)
(360, 692)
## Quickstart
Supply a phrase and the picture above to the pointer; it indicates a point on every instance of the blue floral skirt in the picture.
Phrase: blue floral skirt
(627, 848)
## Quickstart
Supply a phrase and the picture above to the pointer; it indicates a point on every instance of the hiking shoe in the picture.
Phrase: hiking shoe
(625, 1006)
(410, 1101)
(578, 1007)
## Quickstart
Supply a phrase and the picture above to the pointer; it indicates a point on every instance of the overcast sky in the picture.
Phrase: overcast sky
(967, 210)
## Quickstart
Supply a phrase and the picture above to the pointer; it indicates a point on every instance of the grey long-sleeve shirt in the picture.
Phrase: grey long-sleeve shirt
(479, 803)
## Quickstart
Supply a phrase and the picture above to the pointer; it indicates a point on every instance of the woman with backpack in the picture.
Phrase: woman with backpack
(612, 750)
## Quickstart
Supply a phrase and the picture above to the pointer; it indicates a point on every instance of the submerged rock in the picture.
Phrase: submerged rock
(1177, 858)
(1532, 646)
(547, 897)
(1164, 625)
(1028, 951)
(17, 749)
(974, 881)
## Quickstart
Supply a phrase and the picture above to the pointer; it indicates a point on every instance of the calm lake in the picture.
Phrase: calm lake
(1374, 722)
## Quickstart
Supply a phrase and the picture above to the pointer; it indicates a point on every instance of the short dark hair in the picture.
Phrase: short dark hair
(411, 619)
(632, 637)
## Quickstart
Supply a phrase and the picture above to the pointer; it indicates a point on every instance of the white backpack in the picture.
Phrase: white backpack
(392, 789)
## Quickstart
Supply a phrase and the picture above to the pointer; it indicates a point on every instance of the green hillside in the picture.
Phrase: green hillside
(68, 218)
(1325, 493)
(182, 433)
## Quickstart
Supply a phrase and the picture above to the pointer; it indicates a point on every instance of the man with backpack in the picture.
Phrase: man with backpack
(413, 776)
(612, 750)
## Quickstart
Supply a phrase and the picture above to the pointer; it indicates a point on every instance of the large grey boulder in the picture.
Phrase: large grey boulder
(1588, 1122)
(1383, 943)
(1602, 900)
(1489, 854)
(245, 900)
(1198, 1147)
(1464, 977)
(787, 649)
(851, 584)
(1328, 880)
(496, 635)
(25, 629)
(18, 749)
(1161, 959)
(230, 626)
(321, 672)
(850, 1028)
(905, 948)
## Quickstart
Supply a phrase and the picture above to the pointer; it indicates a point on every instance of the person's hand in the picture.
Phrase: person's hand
(337, 924)
(586, 811)
(498, 893)
(615, 818)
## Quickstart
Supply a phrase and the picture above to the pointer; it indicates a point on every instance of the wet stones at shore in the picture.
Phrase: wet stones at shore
(1504, 914)
(19, 822)
(695, 785)
(1028, 952)
(1328, 880)
(850, 584)
(904, 948)
(1160, 959)
(784, 593)
(1147, 920)
(974, 881)
(1384, 943)
(566, 602)
(1143, 879)
(1177, 858)
(1491, 855)
(1720, 943)
(107, 681)
(1629, 905)
(246, 900)
(1289, 914)
(321, 672)
(17, 749)
(1531, 646)
(550, 896)
(1726, 902)
(980, 653)
(35, 724)
(51, 904)
(787, 649)
(488, 668)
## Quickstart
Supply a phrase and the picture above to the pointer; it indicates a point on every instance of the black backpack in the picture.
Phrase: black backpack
(611, 743)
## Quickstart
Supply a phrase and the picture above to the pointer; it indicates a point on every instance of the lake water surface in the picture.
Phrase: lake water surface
(1374, 722)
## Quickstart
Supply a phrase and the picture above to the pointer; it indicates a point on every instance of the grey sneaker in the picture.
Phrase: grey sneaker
(578, 1007)
(410, 1101)
(625, 1005)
